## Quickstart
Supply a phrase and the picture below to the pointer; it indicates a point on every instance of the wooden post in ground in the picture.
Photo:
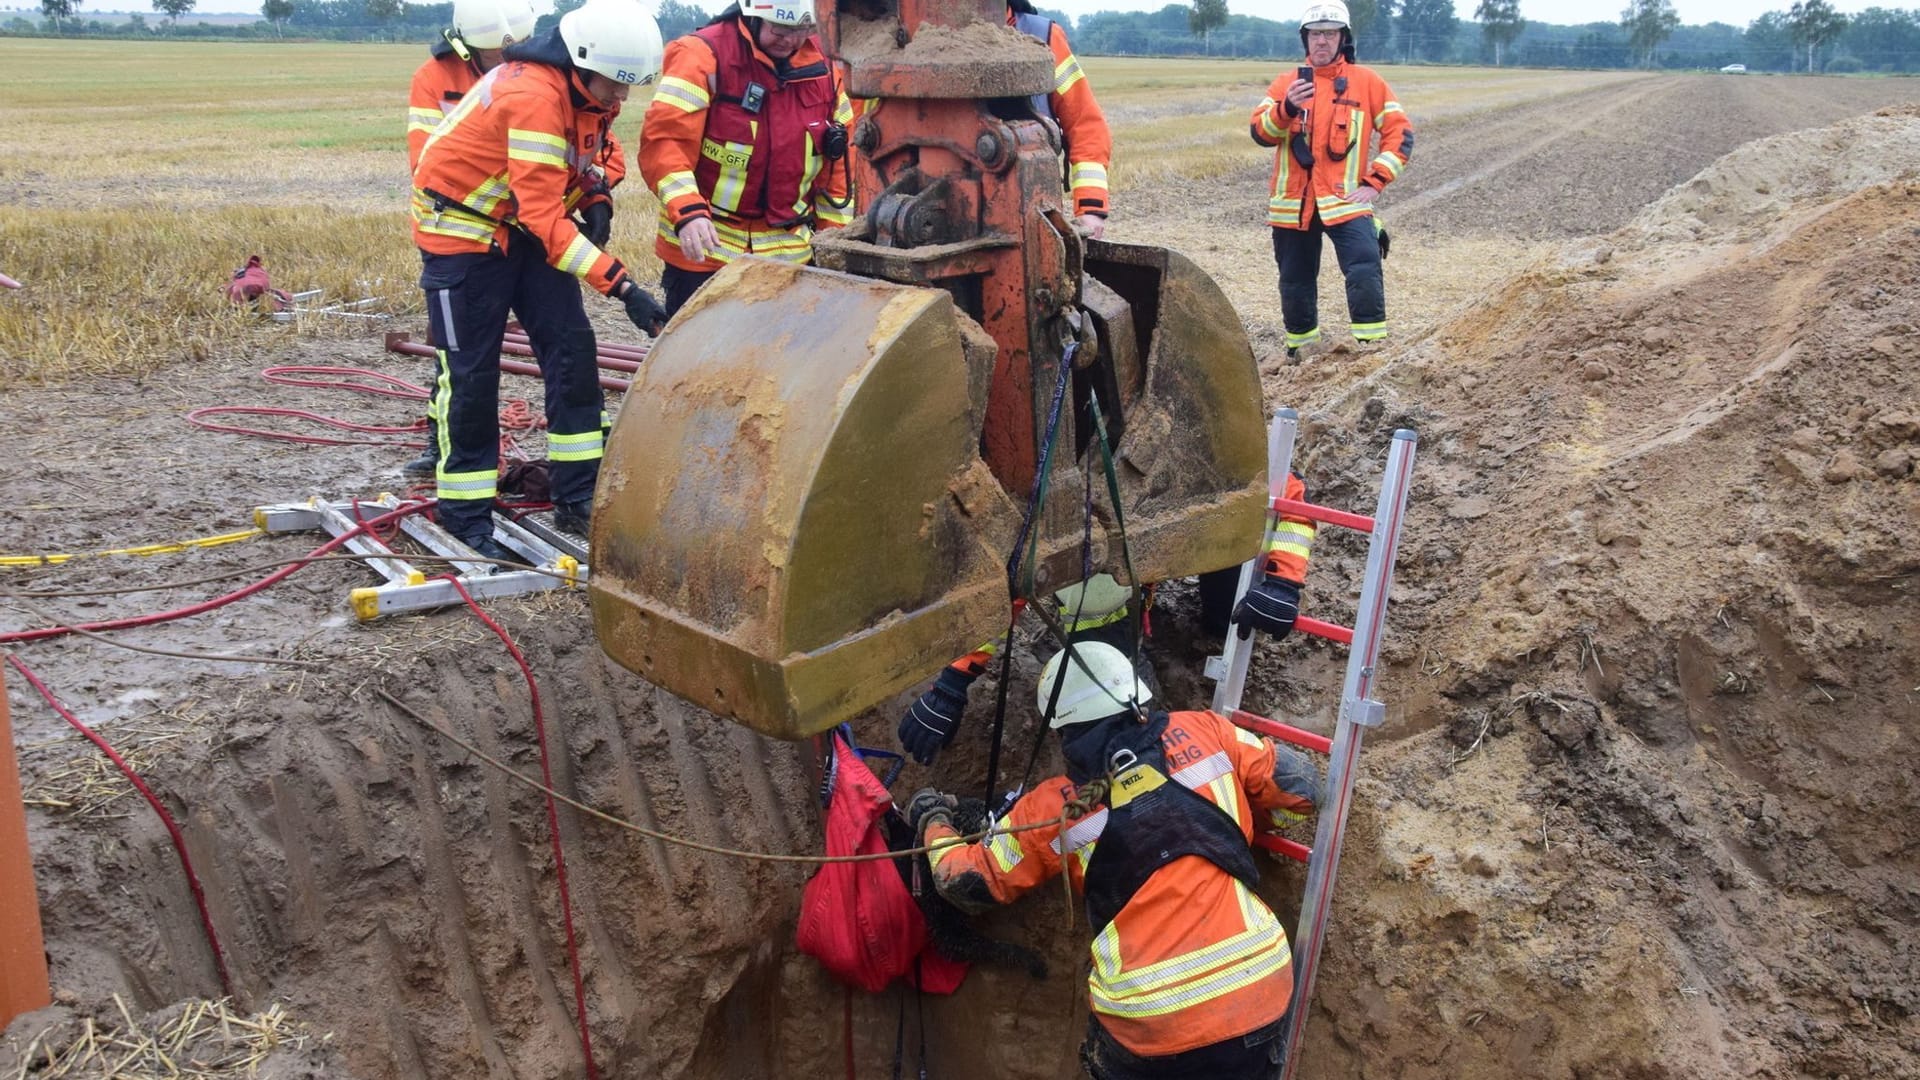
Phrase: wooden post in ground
(23, 957)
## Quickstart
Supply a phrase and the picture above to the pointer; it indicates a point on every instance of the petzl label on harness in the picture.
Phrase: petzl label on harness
(1132, 782)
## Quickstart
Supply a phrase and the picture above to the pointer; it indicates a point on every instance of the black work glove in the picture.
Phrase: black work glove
(643, 309)
(1270, 606)
(596, 223)
(927, 806)
(932, 720)
(1386, 241)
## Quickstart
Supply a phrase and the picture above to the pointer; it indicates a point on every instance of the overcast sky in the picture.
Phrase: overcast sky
(1565, 12)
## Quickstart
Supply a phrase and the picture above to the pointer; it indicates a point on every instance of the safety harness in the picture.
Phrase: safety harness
(1152, 819)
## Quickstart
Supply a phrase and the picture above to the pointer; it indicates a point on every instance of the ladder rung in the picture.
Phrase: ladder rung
(1319, 629)
(1280, 845)
(1316, 512)
(1300, 737)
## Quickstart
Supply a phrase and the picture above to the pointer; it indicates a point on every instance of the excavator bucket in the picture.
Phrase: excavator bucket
(818, 480)
(794, 522)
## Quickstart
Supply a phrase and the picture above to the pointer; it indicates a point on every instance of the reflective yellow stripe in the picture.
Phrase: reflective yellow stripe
(1268, 120)
(843, 110)
(1370, 331)
(586, 446)
(577, 260)
(1005, 850)
(686, 96)
(537, 147)
(942, 848)
(830, 214)
(1291, 536)
(1391, 162)
(675, 184)
(1226, 795)
(1294, 340)
(1389, 107)
(419, 119)
(1272, 957)
(487, 196)
(1090, 174)
(1066, 73)
(733, 159)
(465, 485)
(1097, 621)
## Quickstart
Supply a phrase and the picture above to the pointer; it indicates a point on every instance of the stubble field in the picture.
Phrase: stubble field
(1651, 679)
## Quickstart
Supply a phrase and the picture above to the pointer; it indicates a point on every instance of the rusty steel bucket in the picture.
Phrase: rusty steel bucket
(793, 522)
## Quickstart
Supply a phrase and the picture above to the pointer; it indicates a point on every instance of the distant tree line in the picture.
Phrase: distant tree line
(1808, 36)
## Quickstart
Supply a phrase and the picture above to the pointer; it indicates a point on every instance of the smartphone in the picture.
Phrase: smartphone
(1305, 73)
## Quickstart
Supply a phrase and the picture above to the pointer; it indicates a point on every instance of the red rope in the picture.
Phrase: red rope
(218, 601)
(173, 828)
(553, 822)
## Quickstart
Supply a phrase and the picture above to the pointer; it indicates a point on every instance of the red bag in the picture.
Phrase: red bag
(250, 283)
(858, 919)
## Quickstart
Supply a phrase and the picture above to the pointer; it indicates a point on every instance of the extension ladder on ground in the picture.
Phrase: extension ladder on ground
(1358, 708)
(560, 559)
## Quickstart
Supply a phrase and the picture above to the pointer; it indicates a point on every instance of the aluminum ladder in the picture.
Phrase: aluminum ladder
(1359, 710)
(560, 558)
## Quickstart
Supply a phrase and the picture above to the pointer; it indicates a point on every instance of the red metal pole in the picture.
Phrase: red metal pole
(610, 363)
(1300, 737)
(1314, 512)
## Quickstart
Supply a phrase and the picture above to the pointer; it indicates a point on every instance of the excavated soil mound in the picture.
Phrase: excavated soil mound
(1657, 610)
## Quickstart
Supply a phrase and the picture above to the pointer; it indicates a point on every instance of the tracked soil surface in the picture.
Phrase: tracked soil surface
(1641, 809)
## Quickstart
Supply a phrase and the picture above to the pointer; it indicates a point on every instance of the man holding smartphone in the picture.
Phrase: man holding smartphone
(1323, 118)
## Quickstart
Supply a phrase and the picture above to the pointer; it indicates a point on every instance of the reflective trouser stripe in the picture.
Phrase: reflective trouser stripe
(1373, 331)
(1294, 340)
(586, 446)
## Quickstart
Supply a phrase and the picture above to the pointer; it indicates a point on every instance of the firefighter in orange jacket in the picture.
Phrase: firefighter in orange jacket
(1323, 179)
(1191, 972)
(1082, 125)
(745, 144)
(1097, 610)
(474, 45)
(490, 215)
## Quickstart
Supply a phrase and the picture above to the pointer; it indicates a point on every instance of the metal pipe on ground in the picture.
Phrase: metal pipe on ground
(623, 352)
(8, 283)
(406, 346)
(610, 363)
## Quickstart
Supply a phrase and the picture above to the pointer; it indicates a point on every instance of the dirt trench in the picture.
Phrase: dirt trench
(1639, 811)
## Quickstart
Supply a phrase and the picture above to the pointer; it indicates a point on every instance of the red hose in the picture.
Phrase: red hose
(219, 601)
(553, 822)
(395, 386)
(173, 828)
(198, 419)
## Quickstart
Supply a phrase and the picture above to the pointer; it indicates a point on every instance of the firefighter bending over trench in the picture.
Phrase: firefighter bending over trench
(1191, 972)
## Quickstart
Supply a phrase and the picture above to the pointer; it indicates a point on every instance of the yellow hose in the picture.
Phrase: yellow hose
(145, 549)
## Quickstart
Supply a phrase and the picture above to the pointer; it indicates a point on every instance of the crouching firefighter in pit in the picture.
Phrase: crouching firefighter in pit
(1099, 609)
(1191, 972)
(491, 197)
(745, 144)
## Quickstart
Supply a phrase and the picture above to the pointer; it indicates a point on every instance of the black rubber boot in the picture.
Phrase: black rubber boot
(489, 548)
(429, 460)
(573, 517)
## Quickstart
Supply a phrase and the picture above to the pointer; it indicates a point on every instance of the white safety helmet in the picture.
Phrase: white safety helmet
(615, 38)
(1325, 15)
(1098, 596)
(1111, 688)
(491, 24)
(779, 12)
